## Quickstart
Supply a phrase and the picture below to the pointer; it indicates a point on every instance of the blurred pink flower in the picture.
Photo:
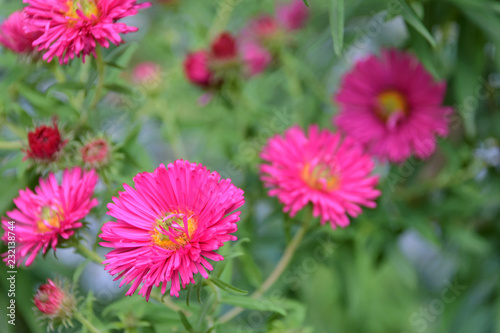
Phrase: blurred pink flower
(146, 73)
(392, 106)
(224, 47)
(196, 68)
(74, 28)
(96, 153)
(322, 169)
(52, 212)
(255, 57)
(169, 225)
(261, 28)
(293, 15)
(13, 37)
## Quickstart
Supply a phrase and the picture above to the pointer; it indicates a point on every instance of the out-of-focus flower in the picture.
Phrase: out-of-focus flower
(322, 169)
(196, 68)
(96, 153)
(224, 47)
(45, 143)
(13, 36)
(52, 212)
(292, 16)
(392, 106)
(55, 303)
(74, 28)
(169, 225)
(147, 74)
(261, 28)
(255, 57)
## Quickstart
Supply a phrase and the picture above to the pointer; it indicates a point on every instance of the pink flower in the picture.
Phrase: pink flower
(45, 143)
(392, 106)
(196, 68)
(12, 35)
(261, 28)
(55, 303)
(169, 225)
(52, 211)
(73, 28)
(292, 16)
(255, 57)
(147, 73)
(322, 169)
(224, 47)
(96, 153)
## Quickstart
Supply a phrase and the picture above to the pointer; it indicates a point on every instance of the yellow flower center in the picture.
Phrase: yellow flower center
(170, 230)
(49, 219)
(88, 8)
(390, 104)
(320, 177)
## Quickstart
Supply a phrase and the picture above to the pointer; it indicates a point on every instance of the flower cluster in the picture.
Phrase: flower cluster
(248, 53)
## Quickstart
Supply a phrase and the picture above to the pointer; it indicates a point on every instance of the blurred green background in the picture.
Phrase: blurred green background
(425, 260)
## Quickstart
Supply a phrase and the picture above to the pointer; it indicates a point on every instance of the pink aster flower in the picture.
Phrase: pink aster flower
(13, 36)
(74, 28)
(293, 15)
(255, 57)
(261, 28)
(197, 70)
(322, 169)
(392, 106)
(55, 302)
(52, 211)
(169, 225)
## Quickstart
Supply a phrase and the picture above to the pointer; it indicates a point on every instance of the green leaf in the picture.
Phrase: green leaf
(119, 88)
(227, 287)
(306, 3)
(185, 322)
(337, 24)
(255, 304)
(250, 268)
(412, 19)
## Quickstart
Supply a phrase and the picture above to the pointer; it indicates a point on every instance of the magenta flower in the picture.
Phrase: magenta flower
(255, 57)
(197, 70)
(74, 28)
(322, 169)
(392, 106)
(147, 73)
(55, 303)
(169, 225)
(292, 16)
(52, 211)
(13, 37)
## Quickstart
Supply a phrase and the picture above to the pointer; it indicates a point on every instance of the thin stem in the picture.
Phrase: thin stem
(276, 273)
(100, 78)
(89, 254)
(88, 325)
(169, 304)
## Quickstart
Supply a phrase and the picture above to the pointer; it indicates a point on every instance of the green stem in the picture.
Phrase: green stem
(100, 78)
(169, 304)
(276, 273)
(88, 325)
(10, 145)
(89, 254)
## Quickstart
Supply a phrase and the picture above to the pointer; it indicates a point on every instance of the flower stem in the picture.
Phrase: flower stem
(276, 273)
(169, 304)
(88, 325)
(89, 254)
(100, 78)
